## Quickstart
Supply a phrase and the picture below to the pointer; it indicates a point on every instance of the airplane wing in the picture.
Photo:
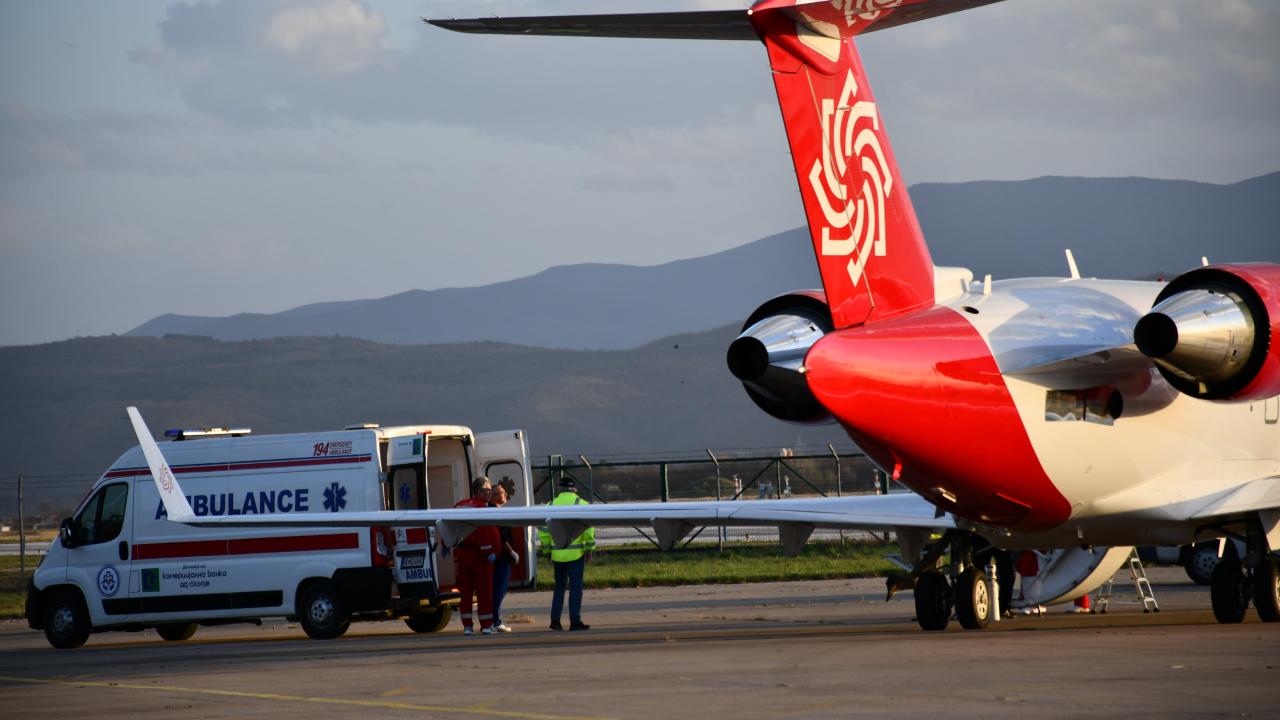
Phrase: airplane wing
(796, 519)
(1260, 496)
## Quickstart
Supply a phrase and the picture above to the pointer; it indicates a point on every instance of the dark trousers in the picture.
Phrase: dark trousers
(501, 582)
(568, 574)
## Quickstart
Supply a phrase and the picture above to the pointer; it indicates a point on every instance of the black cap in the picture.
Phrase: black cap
(567, 482)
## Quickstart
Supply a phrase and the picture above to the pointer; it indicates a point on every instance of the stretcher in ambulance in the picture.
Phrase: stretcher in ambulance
(118, 564)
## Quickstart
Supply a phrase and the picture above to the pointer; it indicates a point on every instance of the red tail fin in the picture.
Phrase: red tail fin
(871, 252)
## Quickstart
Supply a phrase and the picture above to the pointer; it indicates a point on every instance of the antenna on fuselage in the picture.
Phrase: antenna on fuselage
(1071, 265)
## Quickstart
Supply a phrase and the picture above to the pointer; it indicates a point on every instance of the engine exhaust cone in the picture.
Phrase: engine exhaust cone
(747, 358)
(1156, 335)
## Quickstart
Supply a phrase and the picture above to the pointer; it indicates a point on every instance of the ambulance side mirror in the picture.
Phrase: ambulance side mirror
(66, 532)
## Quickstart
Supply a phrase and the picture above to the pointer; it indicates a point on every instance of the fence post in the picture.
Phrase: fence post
(591, 478)
(719, 528)
(664, 489)
(839, 483)
(839, 488)
(22, 537)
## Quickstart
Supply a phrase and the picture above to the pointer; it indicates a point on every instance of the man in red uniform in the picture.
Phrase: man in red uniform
(473, 560)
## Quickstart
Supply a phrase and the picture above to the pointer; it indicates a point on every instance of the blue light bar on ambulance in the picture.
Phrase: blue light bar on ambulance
(179, 434)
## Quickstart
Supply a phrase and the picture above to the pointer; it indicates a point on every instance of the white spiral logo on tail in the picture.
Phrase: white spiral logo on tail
(863, 9)
(851, 155)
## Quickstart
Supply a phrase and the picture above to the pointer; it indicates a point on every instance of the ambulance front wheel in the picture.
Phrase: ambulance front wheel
(321, 611)
(66, 620)
(176, 632)
(430, 621)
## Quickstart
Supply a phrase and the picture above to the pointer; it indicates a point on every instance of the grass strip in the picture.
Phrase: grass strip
(644, 566)
(631, 566)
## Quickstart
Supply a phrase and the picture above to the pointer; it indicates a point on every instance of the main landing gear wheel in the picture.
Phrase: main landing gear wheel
(321, 612)
(1266, 590)
(973, 599)
(1230, 591)
(176, 632)
(933, 601)
(430, 621)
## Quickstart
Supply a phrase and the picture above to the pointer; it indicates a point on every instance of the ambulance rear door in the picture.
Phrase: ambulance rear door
(415, 566)
(505, 454)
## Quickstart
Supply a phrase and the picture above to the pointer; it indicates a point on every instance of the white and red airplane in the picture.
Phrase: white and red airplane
(1080, 414)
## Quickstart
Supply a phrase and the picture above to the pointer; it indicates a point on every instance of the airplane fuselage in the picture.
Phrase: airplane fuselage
(1092, 445)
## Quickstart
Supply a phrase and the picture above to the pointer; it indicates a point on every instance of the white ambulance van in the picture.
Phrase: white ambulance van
(119, 564)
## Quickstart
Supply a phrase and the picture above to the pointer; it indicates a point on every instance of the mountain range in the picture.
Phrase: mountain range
(1116, 227)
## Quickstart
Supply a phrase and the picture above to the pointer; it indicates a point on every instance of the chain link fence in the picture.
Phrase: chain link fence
(760, 475)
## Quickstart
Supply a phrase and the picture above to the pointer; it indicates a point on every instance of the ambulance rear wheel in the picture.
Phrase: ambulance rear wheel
(430, 621)
(321, 612)
(66, 620)
(1229, 591)
(933, 601)
(176, 632)
(1266, 590)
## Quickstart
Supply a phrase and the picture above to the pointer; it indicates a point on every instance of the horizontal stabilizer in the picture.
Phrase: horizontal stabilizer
(703, 25)
(698, 25)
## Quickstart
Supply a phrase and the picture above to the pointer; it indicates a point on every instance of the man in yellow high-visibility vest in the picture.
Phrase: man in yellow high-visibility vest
(569, 562)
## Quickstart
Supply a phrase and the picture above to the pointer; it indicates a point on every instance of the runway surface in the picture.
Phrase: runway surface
(780, 650)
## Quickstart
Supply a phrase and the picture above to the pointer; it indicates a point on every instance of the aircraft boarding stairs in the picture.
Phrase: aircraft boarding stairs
(1140, 584)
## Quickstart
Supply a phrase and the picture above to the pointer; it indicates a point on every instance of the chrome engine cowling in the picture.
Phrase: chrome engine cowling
(1214, 332)
(768, 356)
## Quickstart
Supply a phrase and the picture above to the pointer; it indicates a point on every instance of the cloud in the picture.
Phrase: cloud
(340, 36)
(36, 143)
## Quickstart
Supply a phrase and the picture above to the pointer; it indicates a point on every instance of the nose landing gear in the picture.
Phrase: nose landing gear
(960, 584)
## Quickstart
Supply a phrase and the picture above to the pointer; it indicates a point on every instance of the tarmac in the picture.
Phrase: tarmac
(777, 650)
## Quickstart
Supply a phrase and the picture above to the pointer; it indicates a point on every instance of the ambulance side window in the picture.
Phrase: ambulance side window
(102, 518)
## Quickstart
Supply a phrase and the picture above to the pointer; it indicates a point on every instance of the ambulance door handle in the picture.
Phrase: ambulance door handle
(124, 551)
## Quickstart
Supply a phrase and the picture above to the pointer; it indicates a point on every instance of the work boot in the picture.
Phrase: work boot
(555, 625)
(579, 626)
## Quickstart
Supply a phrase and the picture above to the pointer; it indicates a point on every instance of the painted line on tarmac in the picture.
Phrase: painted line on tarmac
(381, 704)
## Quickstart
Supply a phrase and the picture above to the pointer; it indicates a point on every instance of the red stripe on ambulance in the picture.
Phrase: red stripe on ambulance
(256, 465)
(246, 546)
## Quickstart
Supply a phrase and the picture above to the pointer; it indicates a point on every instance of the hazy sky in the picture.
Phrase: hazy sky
(231, 156)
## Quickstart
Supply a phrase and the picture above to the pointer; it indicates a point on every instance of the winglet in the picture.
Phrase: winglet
(175, 503)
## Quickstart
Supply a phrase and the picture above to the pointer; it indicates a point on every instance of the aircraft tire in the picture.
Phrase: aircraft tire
(933, 601)
(430, 621)
(321, 612)
(176, 632)
(1266, 590)
(1229, 591)
(1005, 577)
(973, 599)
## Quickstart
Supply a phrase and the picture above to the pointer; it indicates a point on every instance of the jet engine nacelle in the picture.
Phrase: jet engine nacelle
(1214, 332)
(768, 357)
